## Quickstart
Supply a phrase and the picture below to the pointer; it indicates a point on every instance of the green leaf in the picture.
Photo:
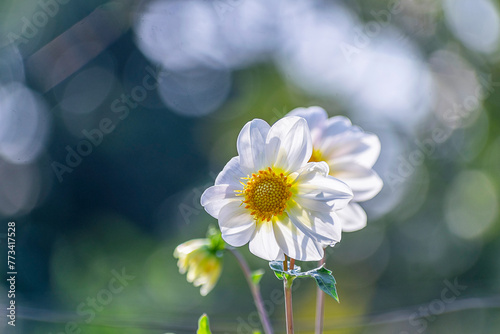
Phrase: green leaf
(203, 325)
(257, 276)
(256, 332)
(325, 281)
(323, 277)
(279, 275)
(277, 267)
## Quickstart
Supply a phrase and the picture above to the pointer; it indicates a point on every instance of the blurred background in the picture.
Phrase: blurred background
(115, 116)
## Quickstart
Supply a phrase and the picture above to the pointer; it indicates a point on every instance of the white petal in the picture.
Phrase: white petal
(323, 227)
(236, 224)
(353, 145)
(315, 204)
(315, 116)
(337, 225)
(189, 246)
(352, 217)
(307, 173)
(231, 173)
(288, 144)
(295, 243)
(215, 197)
(316, 119)
(264, 244)
(251, 144)
(337, 125)
(211, 281)
(364, 182)
(325, 189)
(309, 170)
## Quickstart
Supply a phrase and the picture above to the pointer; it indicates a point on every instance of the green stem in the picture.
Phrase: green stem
(287, 283)
(254, 288)
(320, 304)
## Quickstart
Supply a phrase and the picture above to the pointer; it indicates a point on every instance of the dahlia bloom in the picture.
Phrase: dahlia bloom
(270, 197)
(350, 154)
(201, 261)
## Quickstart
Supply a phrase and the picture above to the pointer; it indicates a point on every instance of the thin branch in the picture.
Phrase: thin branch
(287, 285)
(254, 288)
(320, 304)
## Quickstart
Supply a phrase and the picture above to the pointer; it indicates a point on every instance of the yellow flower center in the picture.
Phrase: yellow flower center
(316, 156)
(266, 194)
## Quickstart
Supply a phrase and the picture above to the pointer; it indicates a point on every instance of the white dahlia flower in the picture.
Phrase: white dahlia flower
(270, 196)
(350, 153)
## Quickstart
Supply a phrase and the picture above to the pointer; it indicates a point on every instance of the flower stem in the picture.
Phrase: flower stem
(287, 283)
(320, 304)
(254, 288)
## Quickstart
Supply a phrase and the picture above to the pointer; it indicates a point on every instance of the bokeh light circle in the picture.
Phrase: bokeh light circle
(195, 92)
(24, 124)
(471, 204)
(475, 22)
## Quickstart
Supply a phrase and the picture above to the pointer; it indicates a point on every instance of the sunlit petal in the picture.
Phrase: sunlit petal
(364, 182)
(316, 118)
(294, 242)
(215, 197)
(232, 173)
(352, 217)
(251, 143)
(352, 146)
(322, 226)
(325, 189)
(236, 224)
(289, 144)
(264, 243)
